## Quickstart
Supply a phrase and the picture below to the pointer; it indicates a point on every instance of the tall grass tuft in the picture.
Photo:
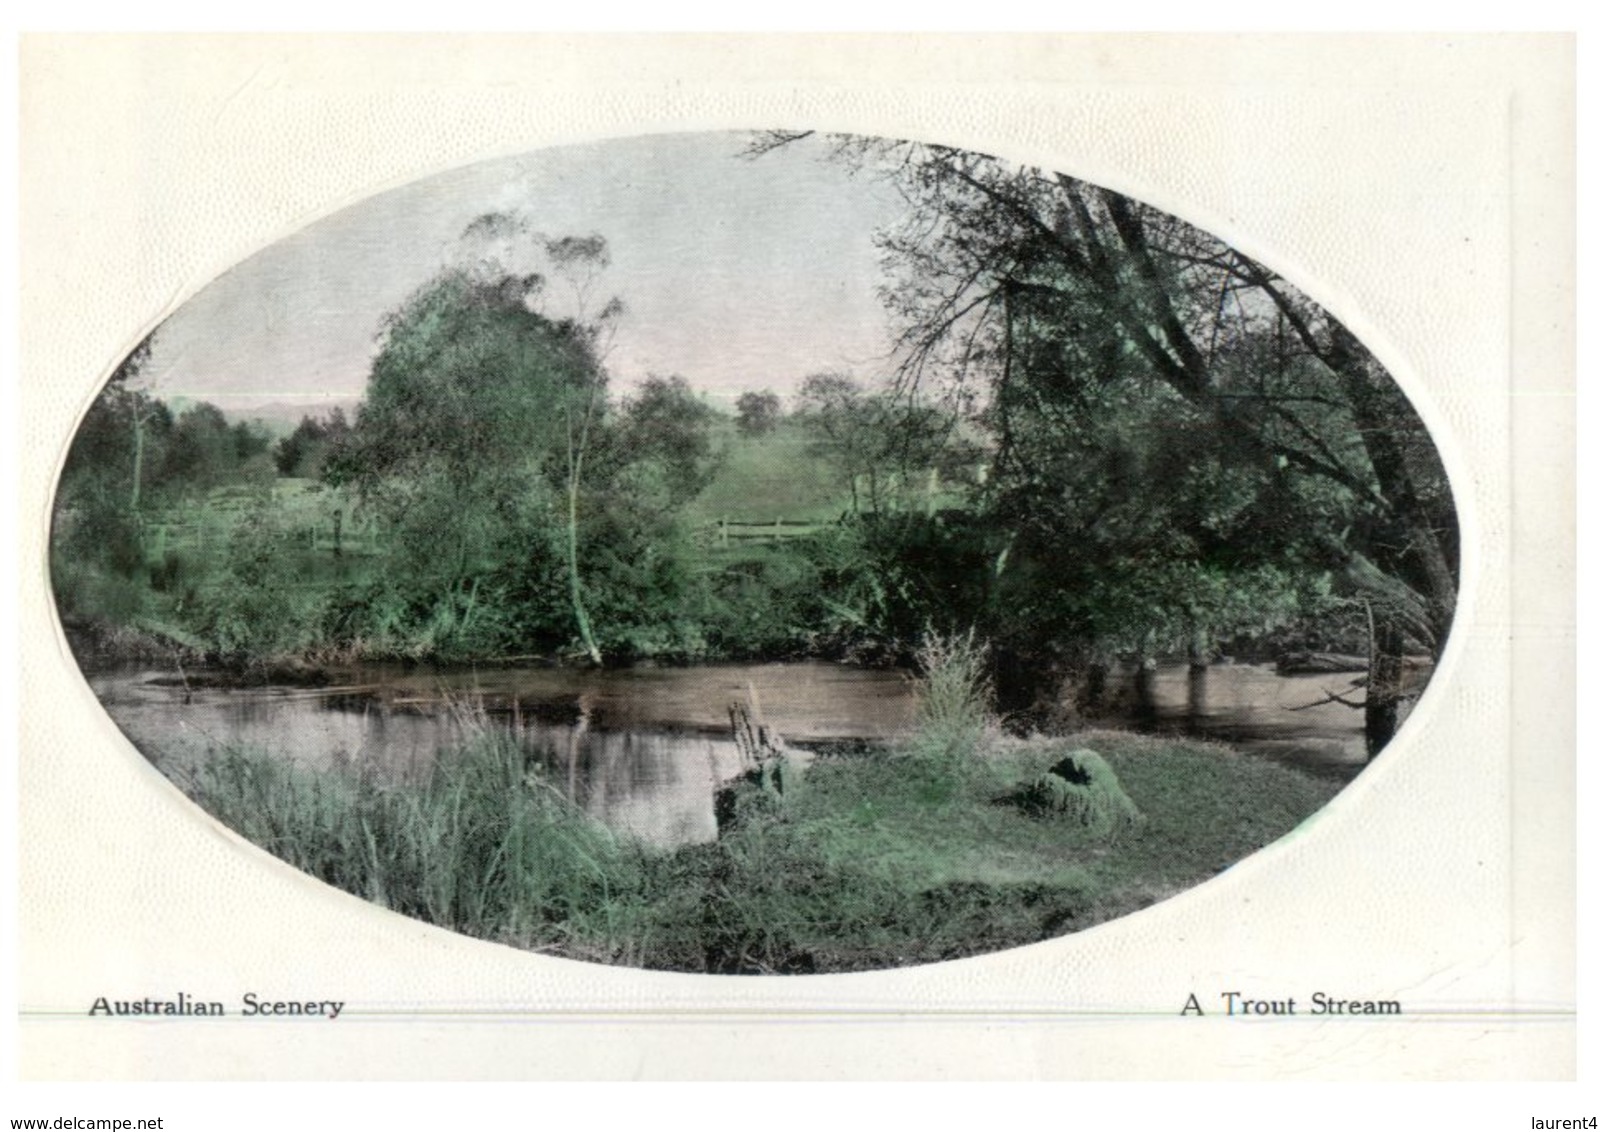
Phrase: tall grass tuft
(866, 861)
(482, 845)
(955, 697)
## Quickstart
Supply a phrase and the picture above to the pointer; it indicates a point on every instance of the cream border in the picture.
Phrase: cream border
(1419, 187)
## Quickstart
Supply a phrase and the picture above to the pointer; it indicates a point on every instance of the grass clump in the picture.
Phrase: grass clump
(482, 844)
(955, 698)
(1082, 788)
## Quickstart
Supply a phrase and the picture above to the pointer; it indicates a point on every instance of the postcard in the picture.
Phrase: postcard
(812, 557)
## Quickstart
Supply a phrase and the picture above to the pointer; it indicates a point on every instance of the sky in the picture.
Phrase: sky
(736, 274)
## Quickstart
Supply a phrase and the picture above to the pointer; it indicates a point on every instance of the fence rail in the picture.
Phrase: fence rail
(724, 532)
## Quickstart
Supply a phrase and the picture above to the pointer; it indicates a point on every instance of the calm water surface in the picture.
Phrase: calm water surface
(643, 748)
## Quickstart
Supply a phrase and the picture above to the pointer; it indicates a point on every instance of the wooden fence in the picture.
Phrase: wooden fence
(726, 532)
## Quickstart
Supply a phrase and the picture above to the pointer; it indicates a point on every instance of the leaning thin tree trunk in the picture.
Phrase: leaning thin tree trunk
(139, 460)
(1383, 699)
(582, 622)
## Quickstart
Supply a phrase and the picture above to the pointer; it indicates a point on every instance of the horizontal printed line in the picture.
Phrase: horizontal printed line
(891, 1013)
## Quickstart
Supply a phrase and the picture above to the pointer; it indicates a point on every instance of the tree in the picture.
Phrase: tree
(140, 407)
(117, 428)
(111, 468)
(303, 452)
(879, 441)
(664, 432)
(1053, 294)
(470, 418)
(758, 412)
(506, 240)
(202, 450)
(487, 399)
(114, 435)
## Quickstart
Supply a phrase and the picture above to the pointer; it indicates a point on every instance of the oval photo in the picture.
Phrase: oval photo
(755, 553)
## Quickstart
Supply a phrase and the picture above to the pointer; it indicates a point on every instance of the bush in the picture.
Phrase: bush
(87, 590)
(1082, 788)
(766, 605)
(257, 607)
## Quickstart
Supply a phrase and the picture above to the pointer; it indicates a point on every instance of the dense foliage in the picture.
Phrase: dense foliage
(1107, 438)
(1197, 448)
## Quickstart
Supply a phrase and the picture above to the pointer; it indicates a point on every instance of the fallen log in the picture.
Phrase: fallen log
(754, 737)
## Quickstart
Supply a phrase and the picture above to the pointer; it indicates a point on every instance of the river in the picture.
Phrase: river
(641, 748)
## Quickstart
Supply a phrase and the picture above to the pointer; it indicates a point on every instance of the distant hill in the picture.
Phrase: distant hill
(282, 417)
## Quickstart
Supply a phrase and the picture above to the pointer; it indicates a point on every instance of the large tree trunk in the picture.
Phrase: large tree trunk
(1417, 545)
(1381, 706)
(1144, 690)
(1423, 543)
(1199, 668)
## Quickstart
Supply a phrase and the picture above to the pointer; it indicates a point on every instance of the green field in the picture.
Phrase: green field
(762, 479)
(766, 488)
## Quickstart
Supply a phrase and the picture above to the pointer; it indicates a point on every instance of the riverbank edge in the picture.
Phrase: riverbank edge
(919, 853)
(102, 645)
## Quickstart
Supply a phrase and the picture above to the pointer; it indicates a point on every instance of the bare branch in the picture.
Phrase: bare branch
(1328, 698)
(765, 141)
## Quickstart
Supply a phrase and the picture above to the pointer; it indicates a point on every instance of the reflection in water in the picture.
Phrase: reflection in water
(656, 787)
(1289, 719)
(642, 749)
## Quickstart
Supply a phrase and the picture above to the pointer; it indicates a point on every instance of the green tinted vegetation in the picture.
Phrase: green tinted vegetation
(492, 498)
(1104, 438)
(889, 858)
(439, 537)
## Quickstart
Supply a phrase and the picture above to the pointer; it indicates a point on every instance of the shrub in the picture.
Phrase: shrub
(1082, 788)
(257, 606)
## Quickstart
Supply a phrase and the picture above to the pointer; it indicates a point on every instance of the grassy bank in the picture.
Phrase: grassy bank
(905, 856)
